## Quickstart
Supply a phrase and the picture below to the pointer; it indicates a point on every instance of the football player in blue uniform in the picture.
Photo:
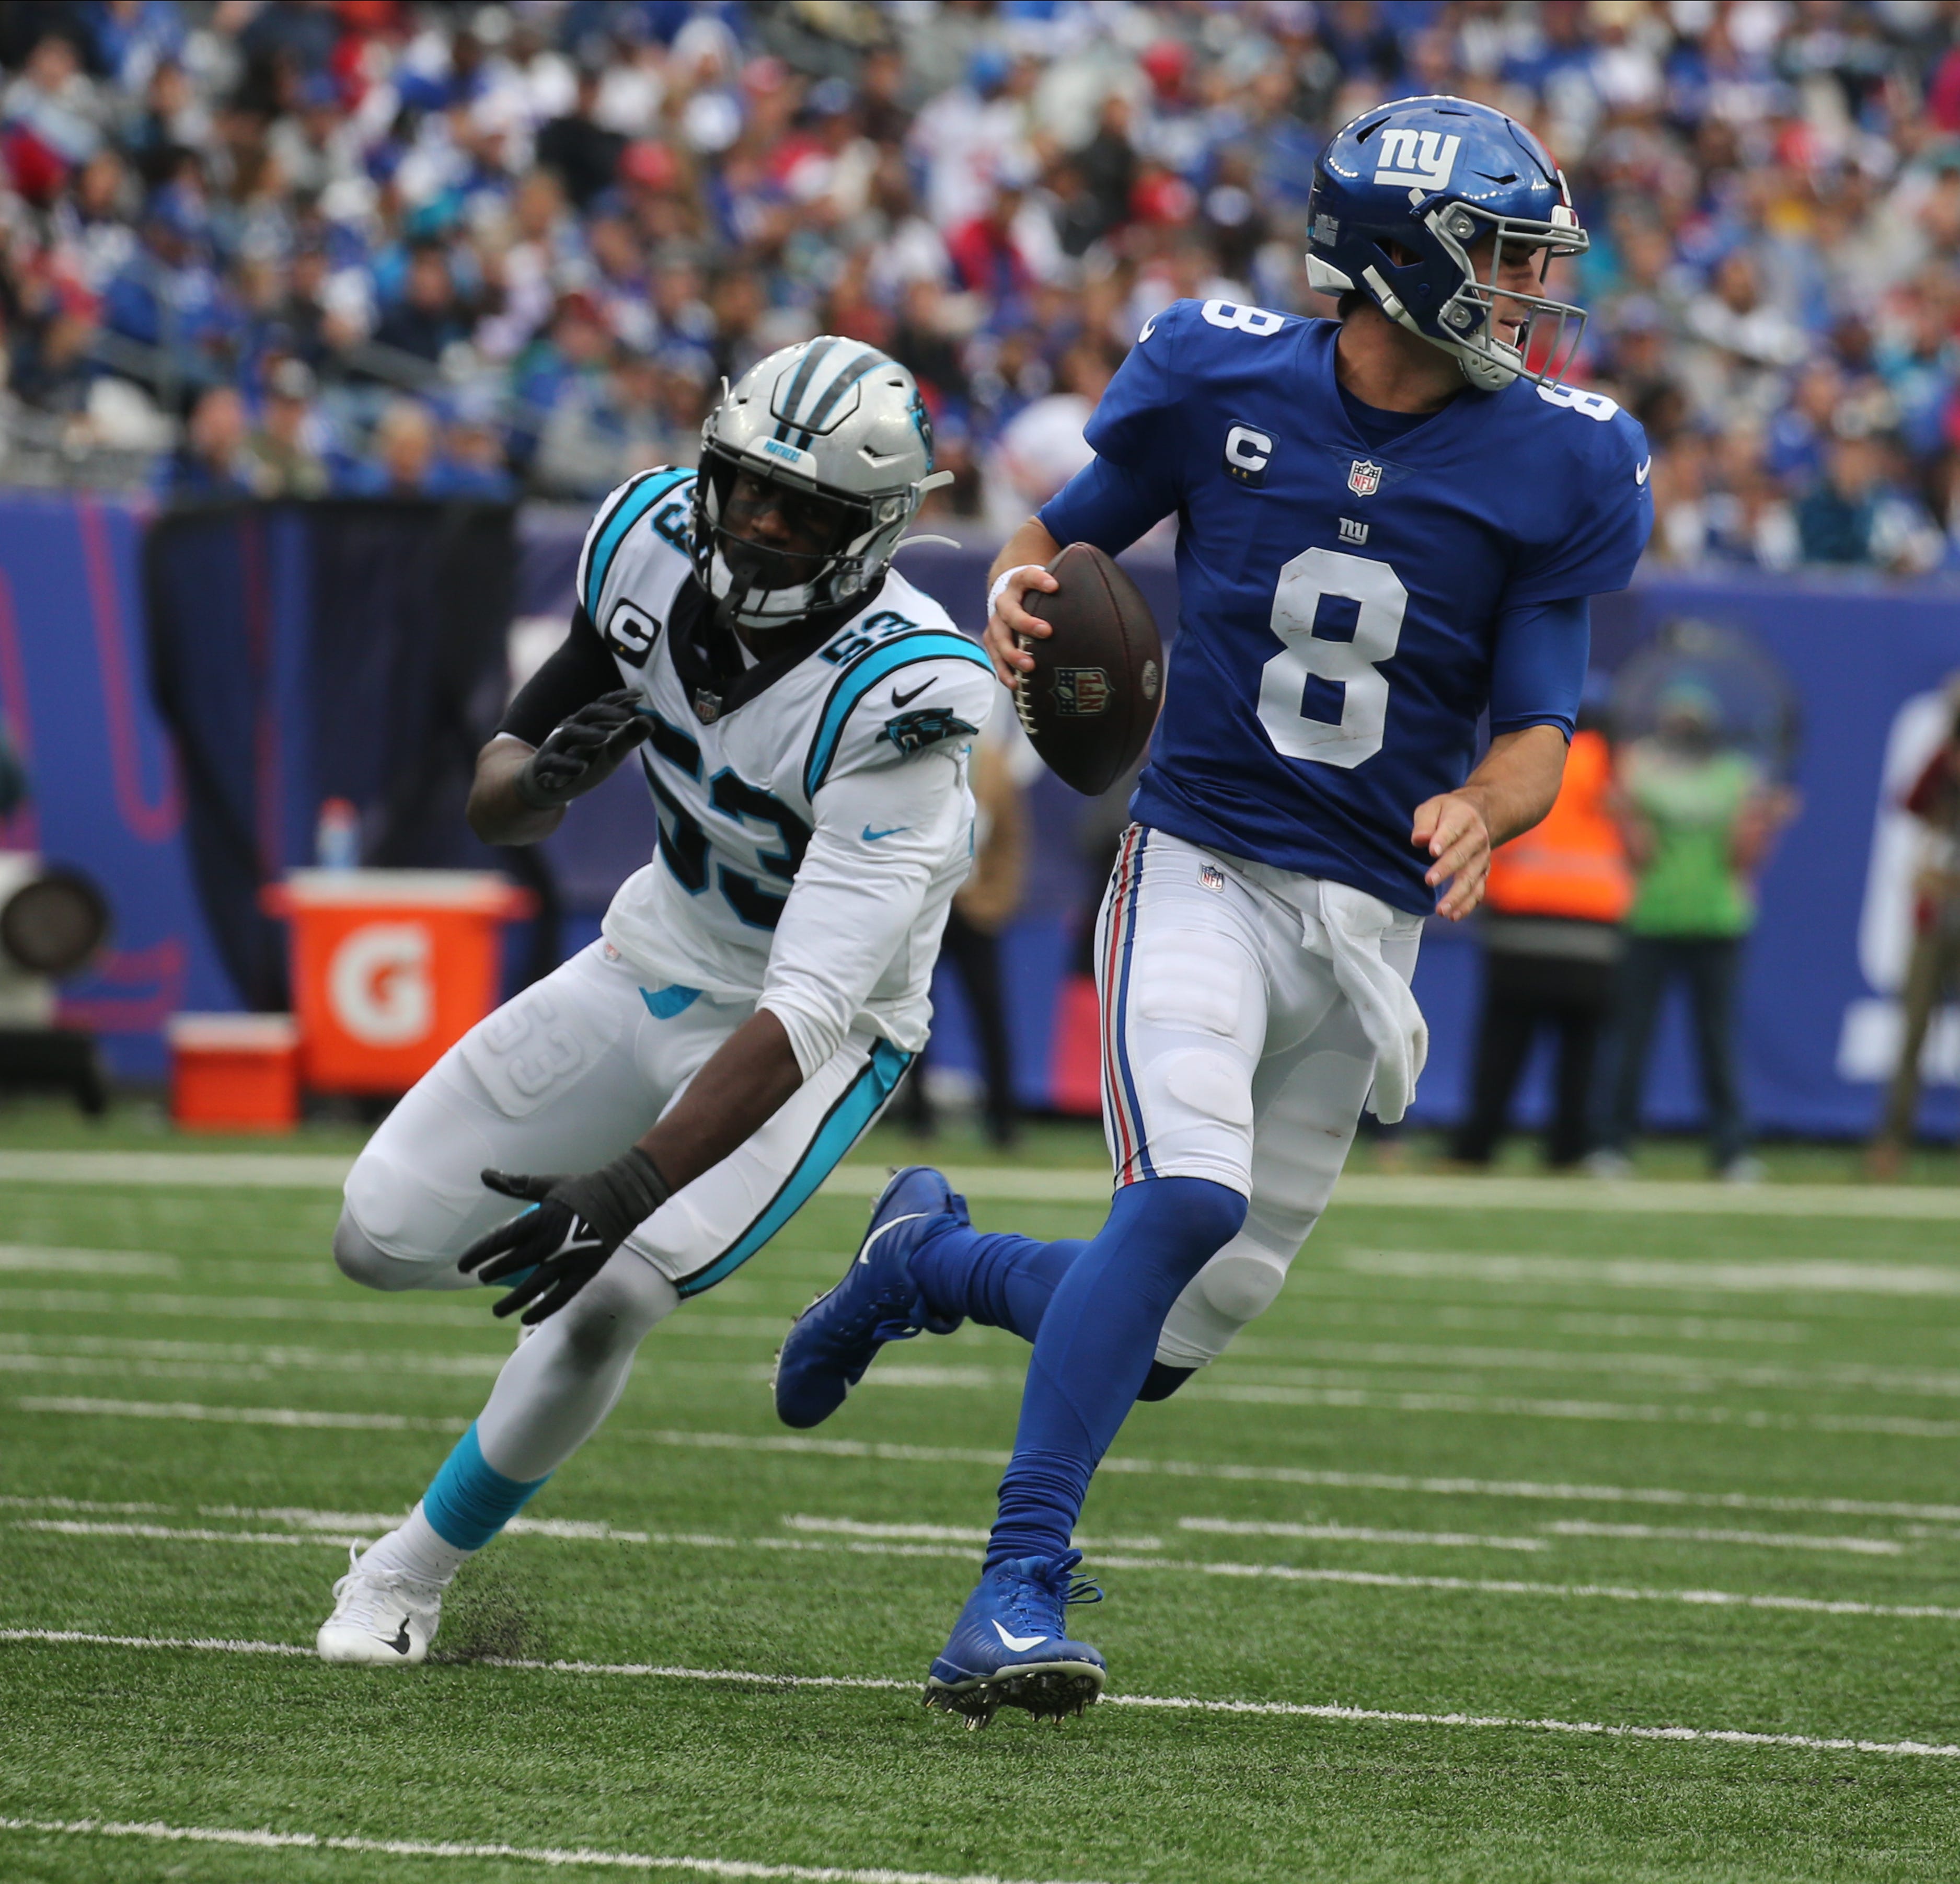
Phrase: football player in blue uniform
(1389, 525)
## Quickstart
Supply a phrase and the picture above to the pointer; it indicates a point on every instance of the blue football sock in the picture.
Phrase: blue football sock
(468, 1501)
(999, 1279)
(1094, 1347)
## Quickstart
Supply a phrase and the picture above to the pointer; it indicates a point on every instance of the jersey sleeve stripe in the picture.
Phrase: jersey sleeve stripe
(855, 683)
(607, 511)
(640, 498)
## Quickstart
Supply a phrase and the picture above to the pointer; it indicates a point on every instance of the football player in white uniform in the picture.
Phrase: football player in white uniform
(804, 715)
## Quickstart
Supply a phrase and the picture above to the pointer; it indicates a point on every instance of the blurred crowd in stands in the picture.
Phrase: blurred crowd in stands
(369, 246)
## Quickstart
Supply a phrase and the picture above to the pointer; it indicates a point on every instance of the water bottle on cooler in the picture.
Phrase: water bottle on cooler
(337, 837)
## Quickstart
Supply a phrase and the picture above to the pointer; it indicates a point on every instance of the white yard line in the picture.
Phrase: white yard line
(1372, 1399)
(26, 1258)
(196, 1170)
(1297, 1710)
(1120, 1464)
(399, 1311)
(1807, 1277)
(1357, 1534)
(306, 1518)
(867, 1547)
(1333, 1392)
(1082, 1184)
(554, 1855)
(239, 1415)
(1767, 1540)
(1587, 1196)
(81, 1527)
(1696, 1371)
(949, 1533)
(122, 1508)
(26, 1353)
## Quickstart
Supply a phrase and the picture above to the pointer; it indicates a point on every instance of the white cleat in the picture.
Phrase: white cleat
(381, 1617)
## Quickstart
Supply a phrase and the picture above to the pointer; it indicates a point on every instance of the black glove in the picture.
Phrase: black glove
(566, 1240)
(583, 750)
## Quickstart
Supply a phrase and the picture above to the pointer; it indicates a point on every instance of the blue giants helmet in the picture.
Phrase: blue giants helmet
(1432, 177)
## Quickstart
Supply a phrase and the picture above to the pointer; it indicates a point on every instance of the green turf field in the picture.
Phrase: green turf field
(1515, 1543)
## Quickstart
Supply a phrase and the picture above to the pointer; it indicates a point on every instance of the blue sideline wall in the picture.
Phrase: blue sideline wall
(1867, 661)
(74, 693)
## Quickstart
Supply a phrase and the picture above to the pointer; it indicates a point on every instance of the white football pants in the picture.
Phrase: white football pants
(563, 1078)
(1231, 1052)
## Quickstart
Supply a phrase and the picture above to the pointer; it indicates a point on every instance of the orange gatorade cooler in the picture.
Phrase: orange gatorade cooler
(233, 1072)
(389, 968)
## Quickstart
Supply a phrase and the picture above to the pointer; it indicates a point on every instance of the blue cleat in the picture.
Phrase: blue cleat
(833, 1340)
(1011, 1647)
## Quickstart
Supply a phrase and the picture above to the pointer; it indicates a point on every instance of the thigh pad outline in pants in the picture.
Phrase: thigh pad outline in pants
(562, 1078)
(1183, 993)
(1308, 1098)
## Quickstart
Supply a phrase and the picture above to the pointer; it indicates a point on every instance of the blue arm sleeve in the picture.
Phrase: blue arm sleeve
(1538, 670)
(1106, 505)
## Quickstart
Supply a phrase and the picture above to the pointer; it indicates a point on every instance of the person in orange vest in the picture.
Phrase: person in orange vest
(1551, 944)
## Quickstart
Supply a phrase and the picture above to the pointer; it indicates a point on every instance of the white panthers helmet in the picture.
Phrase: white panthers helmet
(843, 425)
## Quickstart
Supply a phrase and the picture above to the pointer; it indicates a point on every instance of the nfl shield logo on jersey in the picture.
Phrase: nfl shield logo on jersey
(1364, 479)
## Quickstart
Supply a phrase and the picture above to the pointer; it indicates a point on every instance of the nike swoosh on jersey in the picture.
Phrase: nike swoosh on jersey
(1018, 1643)
(905, 700)
(872, 836)
(1640, 472)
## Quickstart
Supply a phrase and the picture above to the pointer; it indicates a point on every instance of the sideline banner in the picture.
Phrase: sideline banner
(350, 649)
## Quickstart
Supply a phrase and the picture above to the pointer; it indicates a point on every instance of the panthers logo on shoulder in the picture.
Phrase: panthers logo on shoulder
(927, 725)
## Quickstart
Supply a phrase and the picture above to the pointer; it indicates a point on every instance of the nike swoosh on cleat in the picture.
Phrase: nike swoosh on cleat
(905, 700)
(872, 836)
(1640, 472)
(864, 1254)
(1018, 1644)
(401, 1644)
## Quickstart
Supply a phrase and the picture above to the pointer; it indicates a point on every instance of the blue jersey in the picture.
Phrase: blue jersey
(1348, 613)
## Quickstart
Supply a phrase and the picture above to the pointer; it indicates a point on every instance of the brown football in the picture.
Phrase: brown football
(1089, 704)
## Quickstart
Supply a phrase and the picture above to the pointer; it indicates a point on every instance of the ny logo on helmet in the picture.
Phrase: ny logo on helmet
(1424, 158)
(1364, 479)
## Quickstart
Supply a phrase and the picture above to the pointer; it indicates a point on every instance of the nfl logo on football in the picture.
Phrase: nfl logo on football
(1364, 479)
(1081, 693)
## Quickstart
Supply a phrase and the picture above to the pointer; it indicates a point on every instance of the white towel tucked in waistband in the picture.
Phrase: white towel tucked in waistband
(1355, 924)
(1348, 926)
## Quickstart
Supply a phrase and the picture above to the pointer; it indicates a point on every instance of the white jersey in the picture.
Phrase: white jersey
(814, 812)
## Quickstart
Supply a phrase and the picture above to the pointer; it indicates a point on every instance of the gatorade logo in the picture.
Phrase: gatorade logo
(379, 983)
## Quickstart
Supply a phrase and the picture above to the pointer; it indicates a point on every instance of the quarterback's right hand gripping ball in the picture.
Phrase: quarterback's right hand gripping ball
(1090, 704)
